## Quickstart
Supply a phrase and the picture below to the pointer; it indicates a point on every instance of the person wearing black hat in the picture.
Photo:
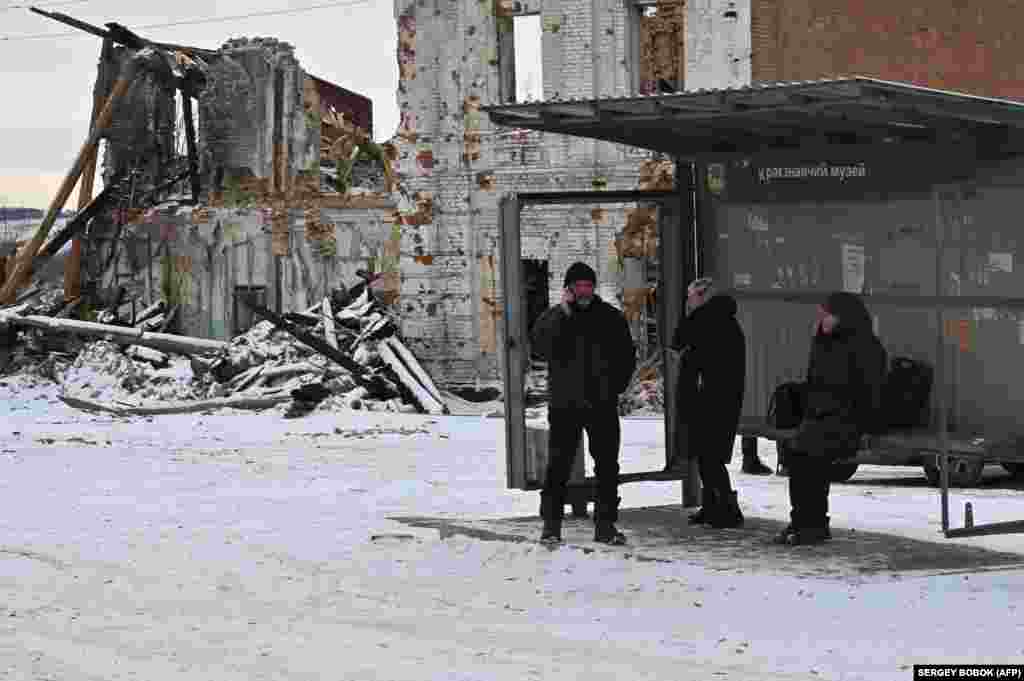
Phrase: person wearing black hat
(845, 375)
(591, 357)
(712, 371)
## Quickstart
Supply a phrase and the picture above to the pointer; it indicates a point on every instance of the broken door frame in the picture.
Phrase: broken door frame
(675, 244)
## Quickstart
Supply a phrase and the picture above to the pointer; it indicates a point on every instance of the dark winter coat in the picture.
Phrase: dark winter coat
(845, 376)
(712, 371)
(590, 354)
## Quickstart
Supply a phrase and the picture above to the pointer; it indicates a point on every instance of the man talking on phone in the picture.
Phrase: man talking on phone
(591, 357)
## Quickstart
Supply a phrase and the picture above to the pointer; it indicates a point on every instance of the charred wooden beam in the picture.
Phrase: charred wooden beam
(23, 266)
(190, 141)
(124, 335)
(121, 35)
(237, 402)
(315, 342)
(73, 265)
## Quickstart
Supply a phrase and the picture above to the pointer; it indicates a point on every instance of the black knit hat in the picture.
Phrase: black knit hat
(578, 271)
(851, 311)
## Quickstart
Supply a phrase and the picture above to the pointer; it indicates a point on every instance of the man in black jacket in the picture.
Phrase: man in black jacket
(842, 403)
(712, 370)
(591, 357)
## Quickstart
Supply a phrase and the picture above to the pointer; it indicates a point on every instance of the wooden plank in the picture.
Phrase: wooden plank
(424, 400)
(330, 332)
(23, 266)
(73, 264)
(414, 367)
(186, 408)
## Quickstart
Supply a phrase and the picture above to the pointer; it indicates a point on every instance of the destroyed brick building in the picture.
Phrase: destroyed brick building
(271, 222)
(290, 198)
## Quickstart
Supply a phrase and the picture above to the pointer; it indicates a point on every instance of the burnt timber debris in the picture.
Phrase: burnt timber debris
(115, 342)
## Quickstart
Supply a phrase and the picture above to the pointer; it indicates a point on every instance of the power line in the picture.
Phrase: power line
(192, 22)
(8, 8)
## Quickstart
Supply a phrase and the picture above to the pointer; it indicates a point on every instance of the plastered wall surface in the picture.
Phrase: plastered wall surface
(447, 149)
(200, 258)
(718, 43)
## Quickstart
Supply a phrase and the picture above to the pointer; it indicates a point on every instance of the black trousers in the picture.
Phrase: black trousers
(604, 435)
(808, 489)
(714, 476)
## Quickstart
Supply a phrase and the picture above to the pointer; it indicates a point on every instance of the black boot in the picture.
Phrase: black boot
(704, 513)
(752, 464)
(605, 515)
(808, 535)
(727, 513)
(783, 536)
(552, 510)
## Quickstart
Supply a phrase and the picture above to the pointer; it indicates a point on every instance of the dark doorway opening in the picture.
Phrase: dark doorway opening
(535, 289)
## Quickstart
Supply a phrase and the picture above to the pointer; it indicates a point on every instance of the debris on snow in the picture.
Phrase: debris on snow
(362, 365)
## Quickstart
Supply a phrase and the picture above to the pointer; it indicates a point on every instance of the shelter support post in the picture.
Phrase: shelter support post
(514, 346)
(940, 368)
(677, 247)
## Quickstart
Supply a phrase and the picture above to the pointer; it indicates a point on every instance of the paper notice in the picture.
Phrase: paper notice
(1000, 262)
(853, 268)
(743, 279)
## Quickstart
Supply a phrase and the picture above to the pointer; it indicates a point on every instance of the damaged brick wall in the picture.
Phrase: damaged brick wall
(446, 149)
(662, 46)
(199, 258)
(945, 44)
(141, 136)
(252, 118)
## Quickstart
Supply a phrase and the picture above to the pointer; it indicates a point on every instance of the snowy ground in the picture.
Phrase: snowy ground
(241, 546)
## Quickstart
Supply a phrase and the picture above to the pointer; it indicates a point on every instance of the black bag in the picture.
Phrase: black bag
(786, 407)
(908, 388)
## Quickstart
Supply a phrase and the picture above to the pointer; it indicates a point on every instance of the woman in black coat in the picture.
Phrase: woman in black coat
(845, 375)
(709, 393)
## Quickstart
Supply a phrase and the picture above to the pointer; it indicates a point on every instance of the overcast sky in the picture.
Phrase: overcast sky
(46, 84)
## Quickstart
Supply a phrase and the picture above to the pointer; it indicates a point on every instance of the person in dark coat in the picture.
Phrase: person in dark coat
(712, 370)
(591, 357)
(845, 376)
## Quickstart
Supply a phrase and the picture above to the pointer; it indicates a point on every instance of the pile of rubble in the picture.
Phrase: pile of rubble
(343, 353)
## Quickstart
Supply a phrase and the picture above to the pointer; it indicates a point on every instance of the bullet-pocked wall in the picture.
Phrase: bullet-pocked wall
(458, 55)
(199, 259)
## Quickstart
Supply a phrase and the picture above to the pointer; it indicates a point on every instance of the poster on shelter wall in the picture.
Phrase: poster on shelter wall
(853, 268)
(1000, 262)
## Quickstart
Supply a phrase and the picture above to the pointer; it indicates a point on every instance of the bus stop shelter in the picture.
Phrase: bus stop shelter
(788, 191)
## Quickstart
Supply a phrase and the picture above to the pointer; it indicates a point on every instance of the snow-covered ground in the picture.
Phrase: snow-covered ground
(248, 546)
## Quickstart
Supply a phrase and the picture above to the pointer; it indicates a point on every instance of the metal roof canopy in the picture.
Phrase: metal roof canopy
(775, 116)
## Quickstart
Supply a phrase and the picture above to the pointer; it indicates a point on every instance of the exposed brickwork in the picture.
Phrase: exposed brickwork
(948, 44)
(448, 54)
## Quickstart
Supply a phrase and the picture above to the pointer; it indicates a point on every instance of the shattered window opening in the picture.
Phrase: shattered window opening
(529, 64)
(656, 50)
(521, 59)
